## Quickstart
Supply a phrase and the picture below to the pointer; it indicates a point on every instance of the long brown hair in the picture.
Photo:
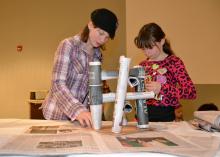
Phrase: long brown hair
(85, 34)
(149, 34)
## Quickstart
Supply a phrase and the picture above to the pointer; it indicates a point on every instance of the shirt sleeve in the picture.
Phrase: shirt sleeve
(184, 88)
(70, 106)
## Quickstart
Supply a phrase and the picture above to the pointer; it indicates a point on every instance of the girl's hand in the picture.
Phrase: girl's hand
(85, 119)
(153, 86)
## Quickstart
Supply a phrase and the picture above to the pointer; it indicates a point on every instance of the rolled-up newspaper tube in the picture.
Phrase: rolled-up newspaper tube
(120, 94)
(108, 75)
(133, 81)
(127, 109)
(95, 94)
(110, 97)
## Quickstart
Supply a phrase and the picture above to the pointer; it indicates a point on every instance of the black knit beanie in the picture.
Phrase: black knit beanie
(106, 20)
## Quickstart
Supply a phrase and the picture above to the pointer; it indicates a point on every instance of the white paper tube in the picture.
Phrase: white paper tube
(120, 94)
(133, 81)
(110, 97)
(128, 107)
(108, 75)
(96, 113)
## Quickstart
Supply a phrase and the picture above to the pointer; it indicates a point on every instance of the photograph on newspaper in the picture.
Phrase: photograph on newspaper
(159, 141)
(145, 142)
(51, 144)
(54, 129)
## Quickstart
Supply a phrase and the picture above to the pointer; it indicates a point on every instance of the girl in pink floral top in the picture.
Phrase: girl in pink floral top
(166, 74)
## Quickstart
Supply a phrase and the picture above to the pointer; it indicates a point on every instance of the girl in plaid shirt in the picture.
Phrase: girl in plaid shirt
(67, 98)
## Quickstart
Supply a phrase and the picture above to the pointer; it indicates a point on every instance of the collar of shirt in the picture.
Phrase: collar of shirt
(82, 46)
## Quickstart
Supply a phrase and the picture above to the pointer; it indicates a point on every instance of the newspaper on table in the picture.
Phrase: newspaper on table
(52, 140)
(67, 139)
(208, 120)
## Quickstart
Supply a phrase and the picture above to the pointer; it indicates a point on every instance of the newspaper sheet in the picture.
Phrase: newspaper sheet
(208, 120)
(68, 139)
(162, 142)
(51, 144)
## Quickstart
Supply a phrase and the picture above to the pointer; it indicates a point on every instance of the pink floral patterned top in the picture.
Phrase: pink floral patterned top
(175, 81)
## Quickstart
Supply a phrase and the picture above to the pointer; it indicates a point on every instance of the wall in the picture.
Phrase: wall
(192, 26)
(39, 25)
(206, 93)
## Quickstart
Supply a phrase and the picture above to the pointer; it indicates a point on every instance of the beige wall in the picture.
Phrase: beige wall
(206, 93)
(39, 25)
(192, 26)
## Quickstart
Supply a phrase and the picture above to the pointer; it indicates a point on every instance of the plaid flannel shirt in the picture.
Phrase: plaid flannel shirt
(67, 96)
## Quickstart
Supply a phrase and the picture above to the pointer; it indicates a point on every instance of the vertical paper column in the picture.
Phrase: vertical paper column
(120, 94)
(95, 94)
(142, 112)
